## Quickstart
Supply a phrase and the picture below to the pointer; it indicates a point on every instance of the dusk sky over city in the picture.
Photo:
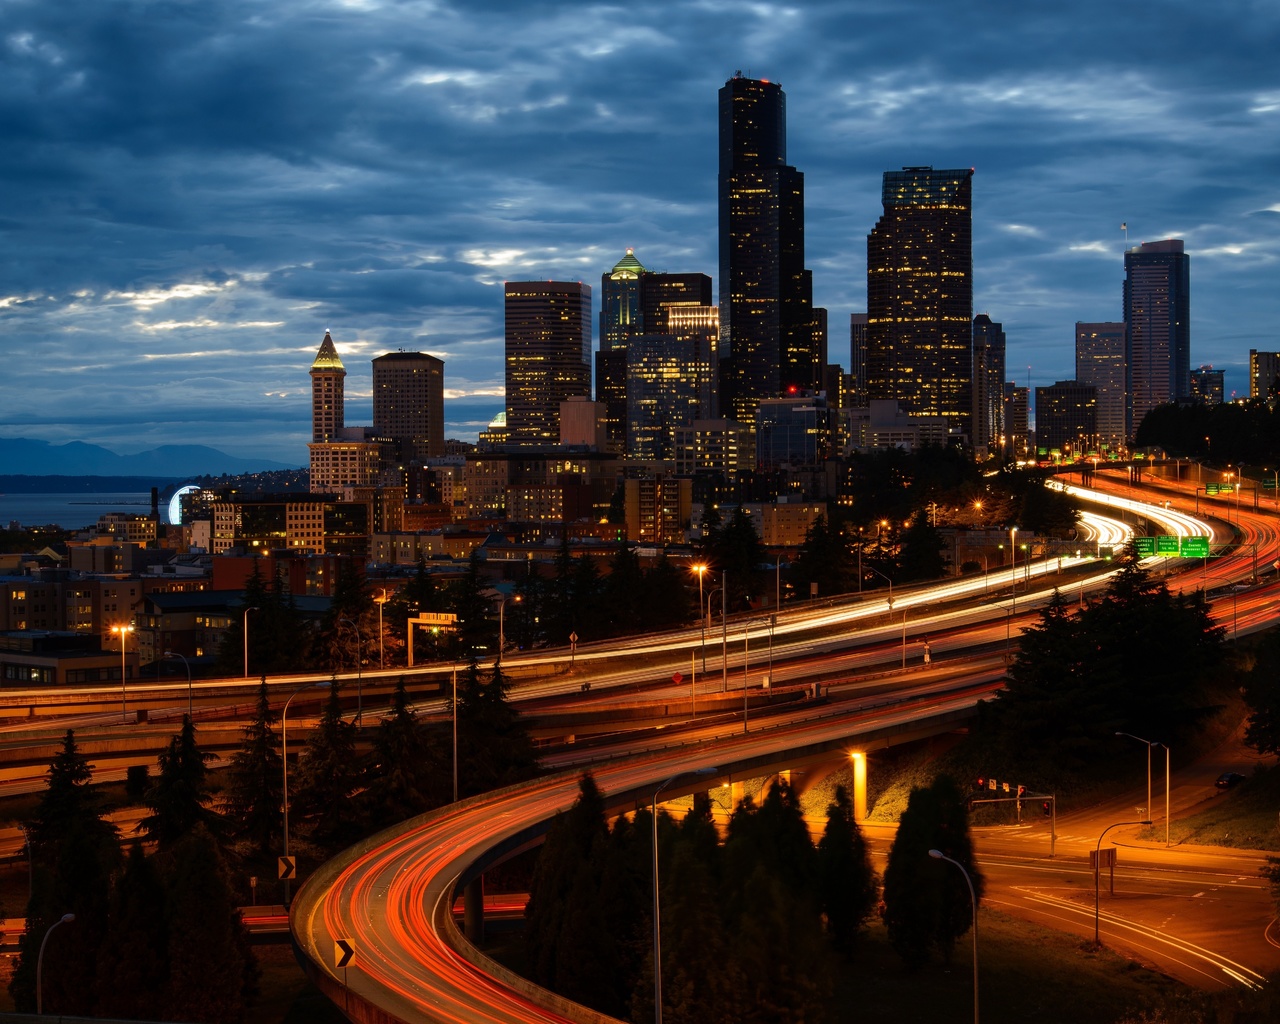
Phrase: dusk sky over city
(192, 193)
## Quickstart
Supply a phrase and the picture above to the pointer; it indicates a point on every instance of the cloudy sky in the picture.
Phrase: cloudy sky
(192, 192)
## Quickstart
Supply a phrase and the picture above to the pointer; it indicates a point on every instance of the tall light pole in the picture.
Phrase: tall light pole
(284, 760)
(657, 920)
(1150, 744)
(359, 673)
(246, 639)
(701, 570)
(502, 634)
(64, 919)
(124, 707)
(175, 654)
(724, 631)
(382, 661)
(746, 658)
(973, 900)
(455, 734)
(887, 580)
(1097, 872)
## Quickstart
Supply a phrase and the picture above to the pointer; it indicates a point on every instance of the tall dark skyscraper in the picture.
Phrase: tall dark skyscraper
(766, 296)
(620, 320)
(408, 404)
(988, 385)
(920, 294)
(1157, 320)
(548, 329)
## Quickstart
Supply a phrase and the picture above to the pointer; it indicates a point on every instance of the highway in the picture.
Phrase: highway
(391, 897)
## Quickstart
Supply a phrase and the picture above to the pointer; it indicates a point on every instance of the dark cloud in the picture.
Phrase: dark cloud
(192, 193)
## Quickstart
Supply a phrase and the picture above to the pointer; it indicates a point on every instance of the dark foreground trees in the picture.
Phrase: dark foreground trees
(752, 930)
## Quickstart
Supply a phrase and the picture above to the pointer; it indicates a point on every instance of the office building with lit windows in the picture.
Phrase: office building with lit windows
(920, 295)
(1066, 419)
(548, 356)
(988, 386)
(1208, 386)
(768, 338)
(408, 404)
(1264, 374)
(1100, 361)
(1157, 318)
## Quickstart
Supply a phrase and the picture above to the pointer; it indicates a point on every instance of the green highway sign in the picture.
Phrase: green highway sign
(1167, 546)
(1195, 547)
(1210, 488)
(1269, 484)
(1144, 546)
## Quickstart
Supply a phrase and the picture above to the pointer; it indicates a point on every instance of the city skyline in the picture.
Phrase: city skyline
(192, 197)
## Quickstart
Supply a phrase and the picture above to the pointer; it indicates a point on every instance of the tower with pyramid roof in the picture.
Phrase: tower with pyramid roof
(327, 392)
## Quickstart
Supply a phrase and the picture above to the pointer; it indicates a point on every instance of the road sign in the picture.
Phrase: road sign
(343, 951)
(1194, 547)
(1269, 483)
(1210, 489)
(677, 679)
(1102, 858)
(1144, 546)
(573, 638)
(286, 868)
(1167, 546)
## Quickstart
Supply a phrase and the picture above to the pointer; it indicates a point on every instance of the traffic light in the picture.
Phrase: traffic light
(1022, 791)
(979, 783)
(1048, 808)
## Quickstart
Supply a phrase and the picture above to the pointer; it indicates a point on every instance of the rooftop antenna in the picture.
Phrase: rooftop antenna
(1124, 226)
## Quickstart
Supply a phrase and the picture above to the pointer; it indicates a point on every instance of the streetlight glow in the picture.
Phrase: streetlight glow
(124, 708)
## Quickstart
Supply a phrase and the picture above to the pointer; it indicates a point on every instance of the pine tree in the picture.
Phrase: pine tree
(326, 777)
(255, 783)
(180, 796)
(404, 778)
(212, 972)
(133, 967)
(494, 746)
(846, 881)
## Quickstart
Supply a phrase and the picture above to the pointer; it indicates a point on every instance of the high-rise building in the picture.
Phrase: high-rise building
(662, 394)
(327, 392)
(1016, 419)
(408, 404)
(766, 318)
(793, 431)
(988, 385)
(1157, 317)
(1208, 386)
(620, 320)
(920, 294)
(548, 335)
(659, 292)
(858, 359)
(1066, 422)
(1100, 361)
(1264, 374)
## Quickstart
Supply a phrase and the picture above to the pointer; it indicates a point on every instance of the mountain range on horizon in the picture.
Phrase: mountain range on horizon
(23, 456)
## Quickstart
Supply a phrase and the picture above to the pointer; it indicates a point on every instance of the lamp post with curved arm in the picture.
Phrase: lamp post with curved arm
(359, 674)
(657, 925)
(701, 570)
(64, 919)
(973, 900)
(175, 654)
(1097, 872)
(1149, 744)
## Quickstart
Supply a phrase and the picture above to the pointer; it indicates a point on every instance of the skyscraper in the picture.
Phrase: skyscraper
(1066, 423)
(408, 404)
(920, 294)
(1100, 361)
(988, 385)
(1264, 374)
(1157, 319)
(766, 328)
(327, 392)
(548, 349)
(858, 358)
(620, 320)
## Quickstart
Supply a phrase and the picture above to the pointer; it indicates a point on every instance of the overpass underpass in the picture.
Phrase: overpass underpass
(391, 896)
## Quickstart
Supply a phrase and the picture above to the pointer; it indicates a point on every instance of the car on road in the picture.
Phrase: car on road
(1228, 779)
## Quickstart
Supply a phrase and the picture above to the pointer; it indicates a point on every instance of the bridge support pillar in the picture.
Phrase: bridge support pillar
(859, 785)
(473, 911)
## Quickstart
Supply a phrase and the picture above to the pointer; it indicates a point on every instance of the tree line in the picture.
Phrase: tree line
(754, 928)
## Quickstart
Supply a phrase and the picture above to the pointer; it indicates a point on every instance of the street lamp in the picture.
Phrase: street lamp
(973, 900)
(64, 919)
(1097, 871)
(175, 654)
(657, 922)
(123, 630)
(1150, 744)
(382, 661)
(887, 580)
(502, 635)
(246, 639)
(701, 570)
(284, 758)
(359, 674)
(746, 643)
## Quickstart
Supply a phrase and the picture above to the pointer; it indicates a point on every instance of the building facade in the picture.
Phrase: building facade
(858, 360)
(1157, 319)
(1066, 418)
(920, 295)
(327, 392)
(1264, 374)
(1208, 386)
(408, 404)
(548, 356)
(1100, 361)
(988, 386)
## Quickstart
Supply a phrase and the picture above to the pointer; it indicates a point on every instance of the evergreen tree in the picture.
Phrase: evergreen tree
(326, 777)
(213, 975)
(404, 777)
(824, 559)
(921, 556)
(926, 902)
(494, 746)
(846, 882)
(667, 599)
(180, 796)
(255, 783)
(350, 620)
(586, 605)
(133, 967)
(739, 551)
(1262, 694)
(624, 610)
(475, 632)
(74, 854)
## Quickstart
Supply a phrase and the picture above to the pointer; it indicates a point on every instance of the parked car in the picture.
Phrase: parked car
(1228, 779)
